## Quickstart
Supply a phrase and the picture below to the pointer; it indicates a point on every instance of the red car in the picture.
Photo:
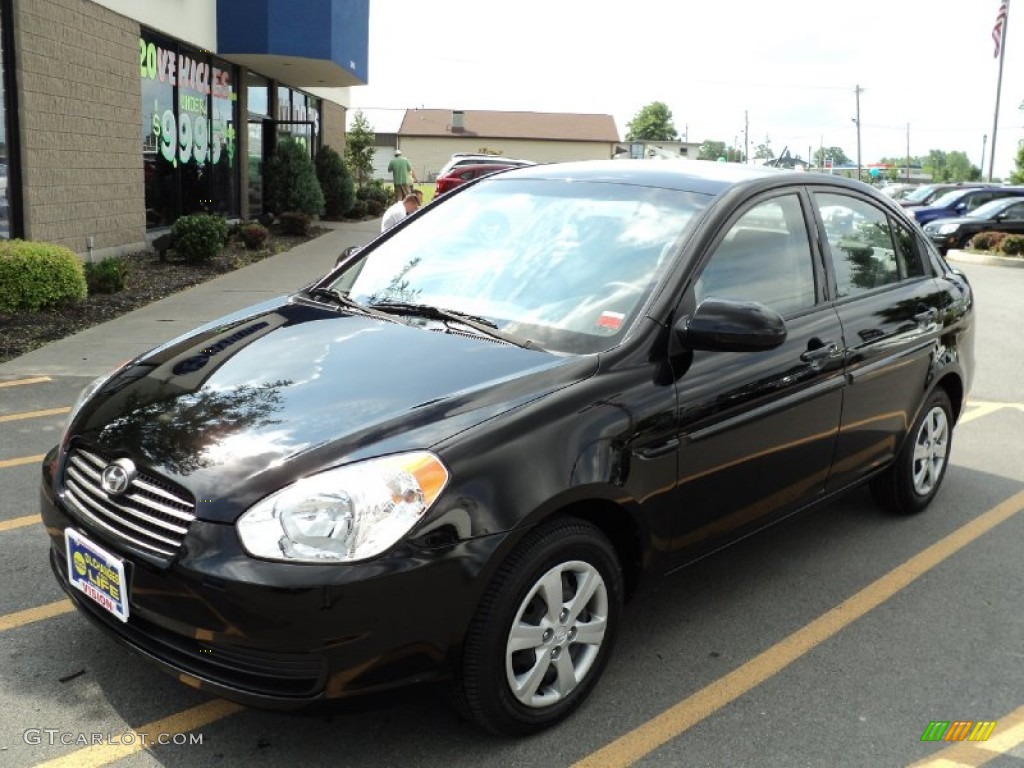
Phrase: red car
(463, 173)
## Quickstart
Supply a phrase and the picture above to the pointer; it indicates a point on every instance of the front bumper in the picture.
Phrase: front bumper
(277, 635)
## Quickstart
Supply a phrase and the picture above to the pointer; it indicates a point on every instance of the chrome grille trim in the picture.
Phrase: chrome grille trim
(151, 517)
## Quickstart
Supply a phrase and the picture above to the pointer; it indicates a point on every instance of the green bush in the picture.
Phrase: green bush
(1012, 245)
(106, 276)
(376, 190)
(38, 275)
(254, 236)
(290, 182)
(295, 223)
(358, 209)
(335, 182)
(987, 241)
(199, 237)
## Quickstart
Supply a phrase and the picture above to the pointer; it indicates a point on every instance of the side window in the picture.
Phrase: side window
(765, 256)
(861, 242)
(908, 256)
(973, 201)
(1015, 212)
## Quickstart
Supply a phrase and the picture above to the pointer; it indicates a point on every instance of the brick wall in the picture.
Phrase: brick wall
(80, 114)
(332, 124)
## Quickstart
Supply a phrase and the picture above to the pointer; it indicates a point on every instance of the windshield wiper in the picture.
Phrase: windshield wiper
(344, 300)
(481, 324)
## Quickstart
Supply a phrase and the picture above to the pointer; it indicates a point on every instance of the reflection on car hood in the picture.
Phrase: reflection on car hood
(233, 413)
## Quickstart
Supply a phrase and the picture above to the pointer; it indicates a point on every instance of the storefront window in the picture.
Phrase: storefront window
(5, 208)
(258, 99)
(188, 132)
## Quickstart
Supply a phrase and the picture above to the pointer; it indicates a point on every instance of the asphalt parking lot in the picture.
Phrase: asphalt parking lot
(833, 639)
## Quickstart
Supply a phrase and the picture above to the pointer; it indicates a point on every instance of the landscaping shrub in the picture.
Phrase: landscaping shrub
(376, 190)
(105, 276)
(1012, 245)
(295, 223)
(38, 275)
(290, 182)
(358, 209)
(199, 237)
(987, 241)
(254, 236)
(335, 182)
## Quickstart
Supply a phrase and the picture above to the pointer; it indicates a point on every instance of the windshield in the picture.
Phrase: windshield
(565, 264)
(947, 199)
(991, 208)
(918, 195)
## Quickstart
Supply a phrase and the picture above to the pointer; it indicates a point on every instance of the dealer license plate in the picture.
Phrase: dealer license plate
(97, 574)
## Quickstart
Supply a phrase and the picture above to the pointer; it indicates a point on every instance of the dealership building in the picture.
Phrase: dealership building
(119, 116)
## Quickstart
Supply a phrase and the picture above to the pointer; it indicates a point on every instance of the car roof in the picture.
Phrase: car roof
(478, 166)
(702, 176)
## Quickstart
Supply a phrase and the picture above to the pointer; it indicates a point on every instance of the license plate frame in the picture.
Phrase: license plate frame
(97, 574)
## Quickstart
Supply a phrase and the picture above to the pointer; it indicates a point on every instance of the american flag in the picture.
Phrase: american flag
(997, 30)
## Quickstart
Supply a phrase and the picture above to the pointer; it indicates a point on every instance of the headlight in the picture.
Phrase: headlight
(947, 229)
(345, 514)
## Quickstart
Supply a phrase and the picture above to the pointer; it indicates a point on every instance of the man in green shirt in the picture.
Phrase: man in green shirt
(401, 174)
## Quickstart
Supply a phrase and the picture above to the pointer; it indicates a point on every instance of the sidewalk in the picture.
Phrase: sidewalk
(98, 349)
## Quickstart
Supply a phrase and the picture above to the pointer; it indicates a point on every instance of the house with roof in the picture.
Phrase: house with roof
(429, 137)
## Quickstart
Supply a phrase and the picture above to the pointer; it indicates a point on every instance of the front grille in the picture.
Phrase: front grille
(151, 516)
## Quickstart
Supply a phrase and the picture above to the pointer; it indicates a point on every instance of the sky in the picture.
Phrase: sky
(786, 70)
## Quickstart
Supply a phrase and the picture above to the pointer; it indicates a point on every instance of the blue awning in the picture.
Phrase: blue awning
(303, 43)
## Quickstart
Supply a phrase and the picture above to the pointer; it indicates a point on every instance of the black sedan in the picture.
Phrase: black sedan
(457, 455)
(1005, 215)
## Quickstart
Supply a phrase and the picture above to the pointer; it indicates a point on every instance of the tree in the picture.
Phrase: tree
(335, 182)
(291, 183)
(950, 166)
(652, 123)
(712, 150)
(1017, 175)
(763, 152)
(824, 156)
(359, 148)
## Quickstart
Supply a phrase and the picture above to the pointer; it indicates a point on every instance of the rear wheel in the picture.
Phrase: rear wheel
(913, 479)
(543, 631)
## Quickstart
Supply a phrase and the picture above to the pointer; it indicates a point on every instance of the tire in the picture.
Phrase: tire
(913, 479)
(528, 661)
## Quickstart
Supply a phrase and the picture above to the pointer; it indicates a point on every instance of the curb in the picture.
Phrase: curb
(984, 258)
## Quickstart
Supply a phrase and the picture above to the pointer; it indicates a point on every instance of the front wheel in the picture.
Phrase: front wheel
(543, 631)
(913, 479)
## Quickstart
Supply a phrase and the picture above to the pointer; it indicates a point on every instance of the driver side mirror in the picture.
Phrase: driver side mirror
(731, 326)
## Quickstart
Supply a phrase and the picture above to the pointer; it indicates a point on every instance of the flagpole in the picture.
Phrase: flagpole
(999, 89)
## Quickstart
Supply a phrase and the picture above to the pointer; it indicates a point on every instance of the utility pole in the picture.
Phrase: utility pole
(746, 137)
(856, 120)
(908, 152)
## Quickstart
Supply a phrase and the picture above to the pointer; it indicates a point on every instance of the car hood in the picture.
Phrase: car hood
(237, 410)
(958, 220)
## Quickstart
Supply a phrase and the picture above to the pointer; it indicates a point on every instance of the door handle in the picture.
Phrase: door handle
(653, 451)
(818, 350)
(927, 316)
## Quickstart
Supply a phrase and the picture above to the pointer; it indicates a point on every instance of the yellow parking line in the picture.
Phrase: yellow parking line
(977, 410)
(21, 382)
(1008, 733)
(34, 414)
(148, 734)
(20, 461)
(661, 729)
(32, 615)
(18, 522)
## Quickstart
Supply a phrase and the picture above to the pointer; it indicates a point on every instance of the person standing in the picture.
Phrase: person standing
(401, 174)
